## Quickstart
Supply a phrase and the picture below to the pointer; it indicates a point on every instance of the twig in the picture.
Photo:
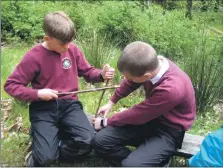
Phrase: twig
(89, 90)
(216, 30)
(99, 103)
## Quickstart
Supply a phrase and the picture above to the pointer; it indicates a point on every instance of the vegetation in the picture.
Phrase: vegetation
(189, 34)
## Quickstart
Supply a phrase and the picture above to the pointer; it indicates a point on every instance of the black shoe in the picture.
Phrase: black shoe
(29, 160)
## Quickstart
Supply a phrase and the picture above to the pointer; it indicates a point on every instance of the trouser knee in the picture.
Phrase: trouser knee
(69, 149)
(100, 145)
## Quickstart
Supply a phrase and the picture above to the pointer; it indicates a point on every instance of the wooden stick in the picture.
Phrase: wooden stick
(89, 90)
(99, 103)
(106, 67)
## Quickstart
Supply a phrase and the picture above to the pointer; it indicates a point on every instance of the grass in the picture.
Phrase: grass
(9, 59)
(207, 123)
(97, 49)
(12, 150)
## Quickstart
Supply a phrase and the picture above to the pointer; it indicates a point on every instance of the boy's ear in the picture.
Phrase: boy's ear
(148, 75)
(46, 38)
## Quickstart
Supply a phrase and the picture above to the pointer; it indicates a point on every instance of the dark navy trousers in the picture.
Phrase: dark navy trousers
(155, 143)
(59, 120)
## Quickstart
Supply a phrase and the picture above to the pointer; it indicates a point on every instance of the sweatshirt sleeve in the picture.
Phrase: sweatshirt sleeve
(125, 89)
(159, 103)
(16, 84)
(86, 70)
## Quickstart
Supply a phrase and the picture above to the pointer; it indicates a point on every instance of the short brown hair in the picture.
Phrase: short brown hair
(59, 25)
(137, 58)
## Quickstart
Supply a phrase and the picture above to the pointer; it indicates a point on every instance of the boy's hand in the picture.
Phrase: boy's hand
(104, 110)
(47, 94)
(107, 72)
(97, 122)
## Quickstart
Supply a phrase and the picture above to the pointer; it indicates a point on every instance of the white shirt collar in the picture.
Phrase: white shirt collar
(164, 67)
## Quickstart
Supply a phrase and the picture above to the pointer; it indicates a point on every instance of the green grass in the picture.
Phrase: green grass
(12, 150)
(207, 123)
(9, 59)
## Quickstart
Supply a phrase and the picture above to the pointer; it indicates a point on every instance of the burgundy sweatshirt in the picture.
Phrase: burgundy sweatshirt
(171, 100)
(48, 69)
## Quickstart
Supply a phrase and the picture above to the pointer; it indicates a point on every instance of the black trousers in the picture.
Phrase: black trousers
(155, 143)
(52, 121)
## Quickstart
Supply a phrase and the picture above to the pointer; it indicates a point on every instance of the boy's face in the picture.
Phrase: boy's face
(56, 45)
(137, 79)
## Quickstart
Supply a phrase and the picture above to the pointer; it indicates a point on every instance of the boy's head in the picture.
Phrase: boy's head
(59, 31)
(138, 62)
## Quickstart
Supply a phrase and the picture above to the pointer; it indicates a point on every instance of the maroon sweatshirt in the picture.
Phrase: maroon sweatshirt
(171, 100)
(48, 69)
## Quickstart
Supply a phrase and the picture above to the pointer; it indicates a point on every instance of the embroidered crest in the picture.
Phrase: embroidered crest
(66, 63)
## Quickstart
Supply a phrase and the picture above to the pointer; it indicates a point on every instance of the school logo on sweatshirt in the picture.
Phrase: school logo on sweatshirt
(66, 63)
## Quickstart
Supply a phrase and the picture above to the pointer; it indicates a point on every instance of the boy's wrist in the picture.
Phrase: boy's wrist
(101, 76)
(103, 122)
(110, 103)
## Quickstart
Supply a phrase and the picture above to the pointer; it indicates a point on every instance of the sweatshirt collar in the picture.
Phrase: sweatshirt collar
(164, 67)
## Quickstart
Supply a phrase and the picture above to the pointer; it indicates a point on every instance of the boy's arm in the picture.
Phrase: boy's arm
(86, 70)
(161, 102)
(22, 75)
(125, 89)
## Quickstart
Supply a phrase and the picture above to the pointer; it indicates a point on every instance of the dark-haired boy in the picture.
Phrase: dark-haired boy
(156, 126)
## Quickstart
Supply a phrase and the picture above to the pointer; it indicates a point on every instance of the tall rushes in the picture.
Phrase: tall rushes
(203, 63)
(98, 49)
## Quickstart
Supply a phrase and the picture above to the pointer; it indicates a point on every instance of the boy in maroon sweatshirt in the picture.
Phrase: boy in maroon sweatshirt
(156, 126)
(52, 67)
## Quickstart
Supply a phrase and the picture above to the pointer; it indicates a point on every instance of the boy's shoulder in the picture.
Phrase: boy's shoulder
(34, 53)
(35, 49)
(74, 46)
(175, 71)
(176, 79)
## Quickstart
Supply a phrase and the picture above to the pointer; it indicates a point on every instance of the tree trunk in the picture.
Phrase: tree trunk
(204, 7)
(189, 9)
(216, 6)
(144, 4)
